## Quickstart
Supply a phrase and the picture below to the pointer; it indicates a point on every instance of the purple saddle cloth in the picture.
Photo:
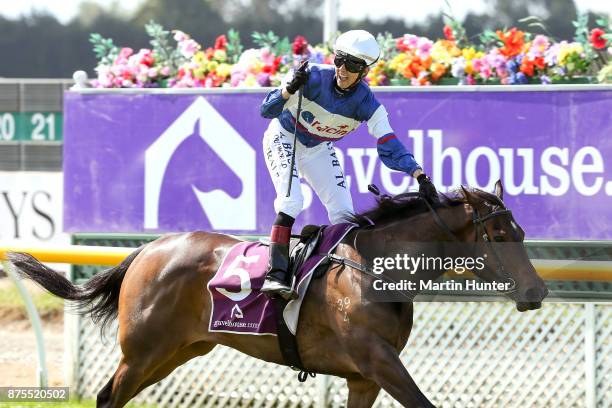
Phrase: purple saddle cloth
(238, 306)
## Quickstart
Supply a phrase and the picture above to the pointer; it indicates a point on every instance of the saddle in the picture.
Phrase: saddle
(300, 249)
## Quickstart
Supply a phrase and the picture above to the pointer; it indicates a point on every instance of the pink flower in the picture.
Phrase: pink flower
(423, 47)
(411, 40)
(407, 42)
(165, 71)
(486, 73)
(188, 48)
(180, 36)
(105, 81)
(152, 72)
(539, 45)
(266, 56)
(125, 52)
(540, 41)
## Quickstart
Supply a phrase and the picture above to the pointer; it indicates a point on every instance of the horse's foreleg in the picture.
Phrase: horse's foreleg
(381, 364)
(362, 392)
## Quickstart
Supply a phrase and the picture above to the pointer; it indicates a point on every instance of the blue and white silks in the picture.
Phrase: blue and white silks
(328, 115)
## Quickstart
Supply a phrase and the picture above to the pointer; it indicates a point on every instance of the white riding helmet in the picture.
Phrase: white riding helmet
(359, 44)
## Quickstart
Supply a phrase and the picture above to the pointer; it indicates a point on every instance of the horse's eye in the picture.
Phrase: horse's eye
(498, 238)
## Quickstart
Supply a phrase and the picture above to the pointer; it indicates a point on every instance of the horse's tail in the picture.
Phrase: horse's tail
(98, 296)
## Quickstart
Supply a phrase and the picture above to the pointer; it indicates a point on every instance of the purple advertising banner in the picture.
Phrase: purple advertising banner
(160, 162)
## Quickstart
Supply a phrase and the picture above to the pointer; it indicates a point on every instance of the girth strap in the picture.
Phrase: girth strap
(288, 343)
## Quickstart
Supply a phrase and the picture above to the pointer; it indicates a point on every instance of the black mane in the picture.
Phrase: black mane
(402, 206)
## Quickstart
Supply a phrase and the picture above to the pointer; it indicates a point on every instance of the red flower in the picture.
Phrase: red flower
(597, 39)
(448, 33)
(401, 45)
(513, 42)
(277, 62)
(147, 59)
(300, 45)
(221, 42)
(528, 66)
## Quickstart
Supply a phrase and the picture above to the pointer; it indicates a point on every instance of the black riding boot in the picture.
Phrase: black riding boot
(278, 280)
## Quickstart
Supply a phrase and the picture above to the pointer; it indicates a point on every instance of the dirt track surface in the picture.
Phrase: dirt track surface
(18, 353)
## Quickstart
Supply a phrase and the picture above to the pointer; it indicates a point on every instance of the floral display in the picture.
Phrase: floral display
(506, 57)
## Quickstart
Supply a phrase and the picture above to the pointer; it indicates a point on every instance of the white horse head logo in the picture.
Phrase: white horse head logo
(223, 211)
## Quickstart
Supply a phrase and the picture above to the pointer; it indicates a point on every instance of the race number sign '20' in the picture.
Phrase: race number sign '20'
(153, 162)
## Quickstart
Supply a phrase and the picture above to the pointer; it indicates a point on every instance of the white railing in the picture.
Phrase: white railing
(462, 354)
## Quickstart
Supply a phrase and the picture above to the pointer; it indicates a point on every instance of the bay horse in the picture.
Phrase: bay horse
(158, 294)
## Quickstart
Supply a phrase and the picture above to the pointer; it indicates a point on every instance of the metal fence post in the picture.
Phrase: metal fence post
(71, 344)
(42, 376)
(322, 391)
(589, 355)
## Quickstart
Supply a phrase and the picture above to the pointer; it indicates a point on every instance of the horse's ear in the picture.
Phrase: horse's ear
(499, 190)
(469, 196)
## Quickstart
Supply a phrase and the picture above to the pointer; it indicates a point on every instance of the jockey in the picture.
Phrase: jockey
(335, 102)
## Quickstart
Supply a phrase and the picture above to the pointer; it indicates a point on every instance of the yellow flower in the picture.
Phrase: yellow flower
(468, 67)
(200, 57)
(224, 70)
(212, 65)
(250, 80)
(567, 50)
(397, 61)
(199, 72)
(470, 53)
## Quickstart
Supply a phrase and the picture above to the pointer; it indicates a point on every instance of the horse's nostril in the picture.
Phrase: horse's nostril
(532, 295)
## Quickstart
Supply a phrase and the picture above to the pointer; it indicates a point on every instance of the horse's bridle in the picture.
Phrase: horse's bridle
(479, 224)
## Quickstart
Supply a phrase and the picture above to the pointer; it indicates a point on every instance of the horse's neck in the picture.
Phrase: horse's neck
(394, 239)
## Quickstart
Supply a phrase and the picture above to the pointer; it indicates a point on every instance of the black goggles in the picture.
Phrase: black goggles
(351, 63)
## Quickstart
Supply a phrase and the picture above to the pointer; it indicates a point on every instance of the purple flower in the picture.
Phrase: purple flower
(263, 79)
(545, 80)
(521, 78)
(513, 66)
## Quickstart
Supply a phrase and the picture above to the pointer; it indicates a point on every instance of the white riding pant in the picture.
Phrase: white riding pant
(318, 165)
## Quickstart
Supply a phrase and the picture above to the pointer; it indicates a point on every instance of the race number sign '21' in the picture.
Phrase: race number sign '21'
(153, 162)
(30, 126)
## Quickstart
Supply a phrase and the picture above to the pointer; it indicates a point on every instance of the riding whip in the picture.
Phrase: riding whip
(297, 121)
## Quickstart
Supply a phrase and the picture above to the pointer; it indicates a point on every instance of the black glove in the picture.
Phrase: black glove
(299, 78)
(427, 190)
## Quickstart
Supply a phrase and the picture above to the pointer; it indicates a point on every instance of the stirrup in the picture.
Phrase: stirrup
(272, 288)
